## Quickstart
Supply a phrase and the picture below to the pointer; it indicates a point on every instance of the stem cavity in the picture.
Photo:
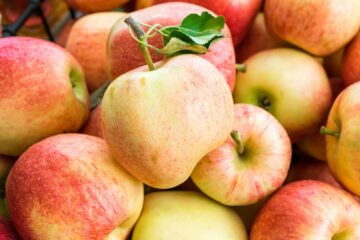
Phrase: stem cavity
(327, 131)
(240, 146)
(142, 37)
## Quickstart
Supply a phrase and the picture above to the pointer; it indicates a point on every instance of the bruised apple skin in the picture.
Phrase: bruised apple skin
(159, 124)
(239, 14)
(124, 55)
(308, 210)
(320, 27)
(87, 42)
(69, 187)
(42, 93)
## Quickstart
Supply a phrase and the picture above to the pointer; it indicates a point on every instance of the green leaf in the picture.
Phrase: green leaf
(97, 95)
(177, 46)
(194, 30)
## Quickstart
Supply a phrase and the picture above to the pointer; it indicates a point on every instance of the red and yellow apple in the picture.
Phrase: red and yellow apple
(289, 84)
(248, 166)
(320, 27)
(124, 55)
(70, 187)
(87, 42)
(42, 93)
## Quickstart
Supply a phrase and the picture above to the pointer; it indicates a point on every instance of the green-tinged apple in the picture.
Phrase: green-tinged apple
(320, 27)
(42, 93)
(239, 14)
(159, 124)
(69, 187)
(90, 6)
(289, 84)
(310, 210)
(251, 164)
(123, 54)
(342, 138)
(257, 39)
(314, 145)
(333, 64)
(87, 42)
(7, 231)
(351, 62)
(180, 215)
(307, 168)
(93, 125)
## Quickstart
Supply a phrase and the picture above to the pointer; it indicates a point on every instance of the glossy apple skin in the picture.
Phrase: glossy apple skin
(69, 187)
(239, 24)
(124, 54)
(93, 125)
(294, 84)
(87, 42)
(159, 124)
(351, 62)
(37, 98)
(179, 215)
(257, 39)
(308, 210)
(343, 152)
(320, 27)
(90, 6)
(237, 179)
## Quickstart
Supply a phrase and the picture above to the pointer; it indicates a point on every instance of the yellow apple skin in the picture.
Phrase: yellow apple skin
(289, 84)
(159, 124)
(343, 151)
(70, 187)
(42, 93)
(320, 27)
(87, 42)
(90, 6)
(234, 178)
(180, 215)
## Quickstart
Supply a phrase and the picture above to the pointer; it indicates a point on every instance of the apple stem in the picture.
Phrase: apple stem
(240, 146)
(142, 37)
(241, 67)
(326, 131)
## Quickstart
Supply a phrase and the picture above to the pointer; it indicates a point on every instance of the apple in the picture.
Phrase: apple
(257, 39)
(289, 84)
(320, 27)
(7, 231)
(179, 215)
(251, 164)
(307, 168)
(123, 54)
(350, 67)
(42, 93)
(93, 125)
(87, 42)
(70, 187)
(90, 6)
(239, 24)
(342, 138)
(308, 210)
(159, 124)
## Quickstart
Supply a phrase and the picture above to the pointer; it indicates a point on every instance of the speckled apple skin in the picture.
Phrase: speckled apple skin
(36, 94)
(69, 187)
(124, 54)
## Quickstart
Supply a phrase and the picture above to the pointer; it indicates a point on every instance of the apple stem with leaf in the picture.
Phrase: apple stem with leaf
(240, 146)
(194, 35)
(327, 131)
(142, 37)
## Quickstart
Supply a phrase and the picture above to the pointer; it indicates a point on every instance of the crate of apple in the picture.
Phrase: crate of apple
(143, 126)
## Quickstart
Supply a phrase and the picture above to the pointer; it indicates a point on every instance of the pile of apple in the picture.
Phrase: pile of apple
(107, 138)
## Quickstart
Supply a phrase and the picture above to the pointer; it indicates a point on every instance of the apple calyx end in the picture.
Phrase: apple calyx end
(240, 146)
(327, 131)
